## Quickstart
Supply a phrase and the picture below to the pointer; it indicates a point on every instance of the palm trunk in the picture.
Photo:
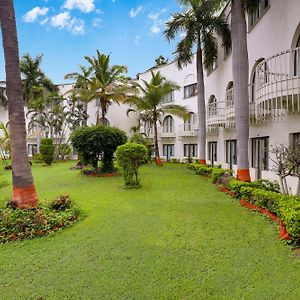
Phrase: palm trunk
(156, 149)
(24, 192)
(201, 107)
(240, 80)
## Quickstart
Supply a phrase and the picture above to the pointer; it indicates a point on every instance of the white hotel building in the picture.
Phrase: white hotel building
(274, 88)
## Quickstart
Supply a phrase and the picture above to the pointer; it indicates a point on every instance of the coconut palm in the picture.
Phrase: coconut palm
(240, 67)
(200, 26)
(24, 192)
(33, 78)
(151, 104)
(4, 138)
(101, 82)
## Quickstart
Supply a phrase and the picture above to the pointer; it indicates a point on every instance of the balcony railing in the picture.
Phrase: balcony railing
(277, 86)
(167, 132)
(187, 130)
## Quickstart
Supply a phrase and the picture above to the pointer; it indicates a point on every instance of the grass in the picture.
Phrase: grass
(175, 238)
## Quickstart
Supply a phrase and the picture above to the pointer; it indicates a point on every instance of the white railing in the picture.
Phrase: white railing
(215, 117)
(187, 130)
(277, 86)
(166, 132)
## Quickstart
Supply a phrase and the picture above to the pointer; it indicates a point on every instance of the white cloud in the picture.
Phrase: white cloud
(83, 5)
(157, 21)
(32, 15)
(64, 20)
(97, 22)
(134, 12)
(137, 40)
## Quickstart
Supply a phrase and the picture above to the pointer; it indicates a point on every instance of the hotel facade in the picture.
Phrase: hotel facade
(274, 95)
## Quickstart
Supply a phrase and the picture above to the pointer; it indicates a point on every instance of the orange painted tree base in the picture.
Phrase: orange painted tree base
(158, 161)
(24, 197)
(243, 175)
(202, 161)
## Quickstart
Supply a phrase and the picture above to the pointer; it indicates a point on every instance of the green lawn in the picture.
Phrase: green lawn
(176, 238)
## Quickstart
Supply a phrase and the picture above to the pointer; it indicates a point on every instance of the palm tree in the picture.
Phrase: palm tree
(199, 24)
(24, 192)
(151, 104)
(3, 98)
(4, 138)
(35, 82)
(102, 82)
(240, 67)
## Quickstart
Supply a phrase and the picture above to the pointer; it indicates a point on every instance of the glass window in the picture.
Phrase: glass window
(169, 98)
(229, 95)
(32, 149)
(190, 150)
(168, 125)
(260, 153)
(257, 14)
(190, 90)
(187, 126)
(231, 155)
(212, 151)
(212, 106)
(168, 150)
(296, 141)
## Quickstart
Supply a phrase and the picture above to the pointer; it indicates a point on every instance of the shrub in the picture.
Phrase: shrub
(236, 186)
(271, 186)
(129, 158)
(3, 184)
(204, 170)
(37, 158)
(218, 173)
(47, 151)
(63, 151)
(61, 203)
(17, 224)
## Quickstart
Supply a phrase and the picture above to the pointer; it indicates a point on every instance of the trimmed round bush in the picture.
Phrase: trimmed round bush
(129, 158)
(47, 151)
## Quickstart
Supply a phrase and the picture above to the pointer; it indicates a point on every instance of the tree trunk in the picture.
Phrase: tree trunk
(24, 192)
(201, 107)
(156, 149)
(281, 185)
(240, 81)
(298, 187)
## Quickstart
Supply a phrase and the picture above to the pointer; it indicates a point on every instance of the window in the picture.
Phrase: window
(258, 13)
(212, 151)
(148, 129)
(187, 126)
(212, 106)
(190, 150)
(296, 141)
(229, 95)
(168, 150)
(212, 67)
(169, 98)
(231, 154)
(260, 153)
(32, 149)
(297, 59)
(190, 90)
(168, 125)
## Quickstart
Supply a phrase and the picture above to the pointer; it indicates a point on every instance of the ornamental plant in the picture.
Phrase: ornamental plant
(129, 158)
(63, 151)
(98, 143)
(47, 151)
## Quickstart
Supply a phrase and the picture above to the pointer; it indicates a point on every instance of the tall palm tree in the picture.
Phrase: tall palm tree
(152, 107)
(24, 192)
(102, 82)
(4, 138)
(34, 80)
(240, 67)
(200, 25)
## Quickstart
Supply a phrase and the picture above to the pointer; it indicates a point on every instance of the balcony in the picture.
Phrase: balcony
(277, 86)
(215, 117)
(166, 132)
(187, 130)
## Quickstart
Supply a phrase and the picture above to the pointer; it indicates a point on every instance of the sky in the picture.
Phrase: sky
(65, 31)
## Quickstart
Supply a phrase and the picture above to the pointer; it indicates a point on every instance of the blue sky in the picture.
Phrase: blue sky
(67, 30)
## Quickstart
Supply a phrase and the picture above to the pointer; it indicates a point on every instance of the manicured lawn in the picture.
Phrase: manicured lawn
(176, 238)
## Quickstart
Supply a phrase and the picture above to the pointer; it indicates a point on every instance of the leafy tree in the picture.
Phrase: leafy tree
(47, 151)
(98, 142)
(101, 82)
(200, 24)
(63, 151)
(150, 105)
(129, 158)
(24, 192)
(161, 61)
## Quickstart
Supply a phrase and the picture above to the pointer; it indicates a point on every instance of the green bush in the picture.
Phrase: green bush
(129, 158)
(37, 158)
(236, 186)
(3, 184)
(218, 173)
(204, 170)
(63, 151)
(267, 185)
(95, 142)
(47, 151)
(17, 224)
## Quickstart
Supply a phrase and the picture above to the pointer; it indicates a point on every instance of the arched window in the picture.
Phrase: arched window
(188, 124)
(229, 95)
(168, 124)
(256, 77)
(212, 106)
(148, 128)
(297, 58)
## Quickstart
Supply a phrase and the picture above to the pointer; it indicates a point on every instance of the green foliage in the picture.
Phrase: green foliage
(236, 186)
(47, 151)
(62, 202)
(204, 170)
(129, 158)
(218, 173)
(140, 139)
(64, 150)
(3, 184)
(95, 142)
(18, 224)
(37, 158)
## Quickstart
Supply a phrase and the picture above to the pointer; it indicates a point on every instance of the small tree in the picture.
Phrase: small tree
(47, 150)
(63, 151)
(129, 158)
(98, 142)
